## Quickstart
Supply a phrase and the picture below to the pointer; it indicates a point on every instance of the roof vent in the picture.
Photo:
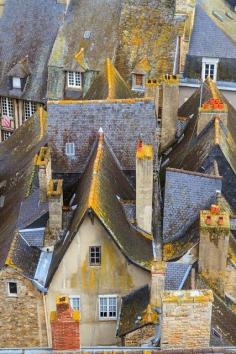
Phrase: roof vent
(87, 34)
(218, 16)
(228, 14)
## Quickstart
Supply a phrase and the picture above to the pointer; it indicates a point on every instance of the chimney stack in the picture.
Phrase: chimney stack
(55, 199)
(186, 319)
(213, 247)
(65, 325)
(158, 272)
(43, 161)
(169, 109)
(211, 109)
(144, 186)
(151, 88)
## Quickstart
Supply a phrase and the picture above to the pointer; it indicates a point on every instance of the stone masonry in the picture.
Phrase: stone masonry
(22, 322)
(186, 319)
(122, 121)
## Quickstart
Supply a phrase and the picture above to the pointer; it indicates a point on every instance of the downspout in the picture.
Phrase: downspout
(46, 317)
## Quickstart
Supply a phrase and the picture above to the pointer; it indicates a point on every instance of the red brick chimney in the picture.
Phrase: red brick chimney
(65, 325)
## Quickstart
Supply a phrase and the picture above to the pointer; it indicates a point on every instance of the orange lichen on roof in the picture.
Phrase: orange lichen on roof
(143, 66)
(170, 79)
(43, 157)
(214, 104)
(217, 130)
(55, 187)
(144, 151)
(43, 121)
(115, 81)
(95, 178)
(80, 58)
(115, 100)
(214, 91)
(215, 218)
(183, 296)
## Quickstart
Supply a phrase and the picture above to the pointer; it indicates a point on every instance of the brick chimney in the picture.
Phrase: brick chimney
(169, 102)
(43, 161)
(213, 247)
(212, 108)
(144, 186)
(158, 272)
(65, 326)
(55, 199)
(186, 319)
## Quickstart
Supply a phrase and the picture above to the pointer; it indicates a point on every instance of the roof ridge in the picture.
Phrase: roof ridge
(214, 91)
(95, 171)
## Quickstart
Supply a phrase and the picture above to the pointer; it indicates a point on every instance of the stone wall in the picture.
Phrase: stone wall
(22, 320)
(122, 121)
(140, 336)
(186, 319)
(230, 282)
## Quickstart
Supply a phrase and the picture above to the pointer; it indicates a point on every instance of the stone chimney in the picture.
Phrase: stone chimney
(151, 88)
(158, 272)
(65, 326)
(169, 107)
(212, 108)
(214, 243)
(186, 319)
(43, 161)
(144, 186)
(55, 199)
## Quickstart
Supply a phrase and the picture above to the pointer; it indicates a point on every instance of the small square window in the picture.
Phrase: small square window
(6, 134)
(12, 288)
(75, 302)
(107, 307)
(70, 149)
(16, 82)
(74, 79)
(95, 255)
(138, 81)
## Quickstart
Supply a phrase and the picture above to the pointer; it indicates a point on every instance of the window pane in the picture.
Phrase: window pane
(12, 288)
(138, 80)
(74, 79)
(108, 307)
(75, 303)
(29, 109)
(7, 106)
(6, 135)
(16, 83)
(95, 255)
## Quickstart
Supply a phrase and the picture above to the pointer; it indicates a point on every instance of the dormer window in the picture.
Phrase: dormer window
(138, 82)
(16, 83)
(74, 79)
(209, 68)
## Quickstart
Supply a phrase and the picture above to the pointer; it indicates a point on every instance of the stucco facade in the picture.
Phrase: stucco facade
(75, 276)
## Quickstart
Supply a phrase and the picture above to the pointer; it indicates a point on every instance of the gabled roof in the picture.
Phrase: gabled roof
(16, 168)
(219, 22)
(28, 28)
(101, 190)
(142, 67)
(216, 142)
(108, 85)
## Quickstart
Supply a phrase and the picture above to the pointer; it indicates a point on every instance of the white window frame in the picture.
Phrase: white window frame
(30, 108)
(95, 263)
(6, 134)
(209, 61)
(70, 149)
(72, 297)
(16, 82)
(74, 79)
(7, 107)
(108, 317)
(138, 87)
(8, 289)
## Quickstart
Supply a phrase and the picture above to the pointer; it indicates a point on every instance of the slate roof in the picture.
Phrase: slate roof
(101, 189)
(16, 167)
(186, 193)
(135, 304)
(101, 19)
(108, 85)
(218, 31)
(34, 237)
(197, 153)
(28, 28)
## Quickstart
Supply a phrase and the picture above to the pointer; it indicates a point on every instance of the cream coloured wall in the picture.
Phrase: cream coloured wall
(75, 276)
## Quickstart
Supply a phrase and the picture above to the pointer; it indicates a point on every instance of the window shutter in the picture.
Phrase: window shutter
(23, 82)
(10, 83)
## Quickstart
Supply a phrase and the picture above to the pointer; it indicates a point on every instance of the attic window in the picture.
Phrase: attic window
(70, 149)
(12, 288)
(16, 83)
(209, 68)
(87, 35)
(95, 255)
(138, 81)
(74, 79)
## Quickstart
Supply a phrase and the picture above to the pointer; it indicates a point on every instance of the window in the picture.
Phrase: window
(75, 302)
(70, 149)
(95, 255)
(74, 79)
(107, 307)
(138, 81)
(12, 288)
(6, 134)
(7, 106)
(16, 83)
(209, 68)
(29, 109)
